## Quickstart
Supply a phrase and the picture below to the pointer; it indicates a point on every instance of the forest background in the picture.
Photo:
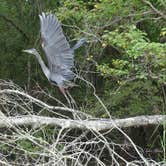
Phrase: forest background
(124, 58)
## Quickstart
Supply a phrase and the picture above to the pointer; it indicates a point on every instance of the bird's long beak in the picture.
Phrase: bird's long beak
(24, 50)
(29, 51)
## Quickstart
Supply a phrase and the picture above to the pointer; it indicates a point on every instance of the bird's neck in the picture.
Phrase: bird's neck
(42, 64)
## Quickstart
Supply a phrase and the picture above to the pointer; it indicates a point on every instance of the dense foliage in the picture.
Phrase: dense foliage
(124, 58)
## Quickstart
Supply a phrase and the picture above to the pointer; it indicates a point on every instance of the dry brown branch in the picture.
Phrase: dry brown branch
(96, 124)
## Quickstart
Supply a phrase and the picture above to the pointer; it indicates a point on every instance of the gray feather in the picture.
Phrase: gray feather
(58, 52)
(79, 44)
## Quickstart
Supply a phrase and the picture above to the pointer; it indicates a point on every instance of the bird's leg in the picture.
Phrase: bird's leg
(67, 96)
(76, 115)
(72, 100)
(63, 91)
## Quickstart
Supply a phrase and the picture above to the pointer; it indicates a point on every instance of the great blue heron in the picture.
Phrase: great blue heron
(59, 55)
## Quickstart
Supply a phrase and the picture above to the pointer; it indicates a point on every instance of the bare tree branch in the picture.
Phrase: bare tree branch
(96, 124)
(154, 9)
(39, 102)
(19, 111)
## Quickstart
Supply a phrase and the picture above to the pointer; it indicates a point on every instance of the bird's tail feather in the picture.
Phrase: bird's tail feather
(79, 44)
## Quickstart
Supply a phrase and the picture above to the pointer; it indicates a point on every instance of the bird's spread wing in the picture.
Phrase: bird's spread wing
(57, 49)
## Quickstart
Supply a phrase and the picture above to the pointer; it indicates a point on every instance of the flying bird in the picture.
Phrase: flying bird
(59, 55)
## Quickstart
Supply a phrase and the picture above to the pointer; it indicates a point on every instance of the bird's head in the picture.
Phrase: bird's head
(30, 51)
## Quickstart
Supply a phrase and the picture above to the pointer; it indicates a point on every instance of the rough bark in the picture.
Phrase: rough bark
(92, 124)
